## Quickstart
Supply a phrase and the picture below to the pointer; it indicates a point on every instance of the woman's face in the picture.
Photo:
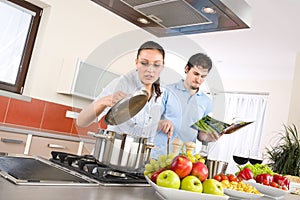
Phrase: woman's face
(149, 65)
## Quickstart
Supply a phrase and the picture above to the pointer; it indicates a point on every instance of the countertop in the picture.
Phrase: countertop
(10, 191)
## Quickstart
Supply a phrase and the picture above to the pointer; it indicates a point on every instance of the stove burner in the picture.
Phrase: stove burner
(89, 166)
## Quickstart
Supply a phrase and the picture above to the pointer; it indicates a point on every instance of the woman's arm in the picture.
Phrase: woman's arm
(92, 111)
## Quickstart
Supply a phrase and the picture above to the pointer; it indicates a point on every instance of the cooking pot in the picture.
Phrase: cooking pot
(122, 151)
(119, 150)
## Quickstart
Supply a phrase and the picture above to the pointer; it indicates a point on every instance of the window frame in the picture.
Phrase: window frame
(28, 48)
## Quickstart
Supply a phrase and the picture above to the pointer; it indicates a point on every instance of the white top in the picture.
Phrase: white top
(144, 123)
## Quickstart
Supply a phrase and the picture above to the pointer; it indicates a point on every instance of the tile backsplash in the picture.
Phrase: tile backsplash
(41, 115)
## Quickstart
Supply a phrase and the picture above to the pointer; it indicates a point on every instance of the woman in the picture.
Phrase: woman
(149, 64)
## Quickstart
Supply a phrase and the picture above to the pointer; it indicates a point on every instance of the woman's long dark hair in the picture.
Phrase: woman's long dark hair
(155, 46)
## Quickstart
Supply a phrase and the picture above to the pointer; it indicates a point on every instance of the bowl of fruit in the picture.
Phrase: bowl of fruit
(184, 176)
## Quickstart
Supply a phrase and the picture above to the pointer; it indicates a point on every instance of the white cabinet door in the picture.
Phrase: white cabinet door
(88, 80)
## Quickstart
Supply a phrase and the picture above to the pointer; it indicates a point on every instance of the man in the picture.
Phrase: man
(183, 105)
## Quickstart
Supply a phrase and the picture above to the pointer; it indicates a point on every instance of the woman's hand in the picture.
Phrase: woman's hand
(112, 99)
(166, 126)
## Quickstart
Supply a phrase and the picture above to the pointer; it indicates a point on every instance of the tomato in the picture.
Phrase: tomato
(274, 184)
(218, 177)
(232, 177)
(224, 177)
(238, 179)
(285, 188)
(266, 182)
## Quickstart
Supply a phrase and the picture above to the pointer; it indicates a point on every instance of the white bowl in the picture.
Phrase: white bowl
(176, 194)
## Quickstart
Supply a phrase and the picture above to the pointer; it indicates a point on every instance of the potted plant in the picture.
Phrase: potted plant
(285, 156)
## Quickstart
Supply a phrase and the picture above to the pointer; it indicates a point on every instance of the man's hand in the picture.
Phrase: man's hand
(166, 126)
(208, 137)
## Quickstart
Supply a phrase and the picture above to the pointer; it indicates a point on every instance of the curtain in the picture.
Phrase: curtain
(246, 141)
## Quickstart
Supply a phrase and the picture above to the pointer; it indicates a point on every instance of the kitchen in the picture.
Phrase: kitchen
(58, 49)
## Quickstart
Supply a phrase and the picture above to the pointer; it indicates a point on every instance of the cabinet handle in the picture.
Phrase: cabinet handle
(56, 146)
(6, 140)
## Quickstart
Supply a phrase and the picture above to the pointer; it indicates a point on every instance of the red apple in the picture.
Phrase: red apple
(200, 170)
(181, 165)
(155, 174)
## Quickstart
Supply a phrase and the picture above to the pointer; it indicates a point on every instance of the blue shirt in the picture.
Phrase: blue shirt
(183, 110)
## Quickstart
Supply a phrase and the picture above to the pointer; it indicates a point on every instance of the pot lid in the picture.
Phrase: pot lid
(126, 108)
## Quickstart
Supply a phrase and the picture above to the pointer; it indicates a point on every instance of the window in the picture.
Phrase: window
(19, 22)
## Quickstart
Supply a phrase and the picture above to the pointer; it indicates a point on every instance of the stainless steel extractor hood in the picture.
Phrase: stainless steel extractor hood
(177, 17)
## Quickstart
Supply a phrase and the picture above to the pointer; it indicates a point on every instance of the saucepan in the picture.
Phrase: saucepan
(119, 150)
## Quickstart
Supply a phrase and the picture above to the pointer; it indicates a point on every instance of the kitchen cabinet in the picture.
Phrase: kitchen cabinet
(12, 142)
(42, 146)
(87, 149)
(21, 141)
(87, 80)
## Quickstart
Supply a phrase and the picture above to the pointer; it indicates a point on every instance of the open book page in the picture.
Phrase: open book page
(208, 125)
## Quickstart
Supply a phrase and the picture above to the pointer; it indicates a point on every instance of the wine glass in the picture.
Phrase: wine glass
(258, 158)
(240, 158)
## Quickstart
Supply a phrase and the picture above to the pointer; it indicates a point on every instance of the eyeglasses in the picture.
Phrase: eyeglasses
(147, 64)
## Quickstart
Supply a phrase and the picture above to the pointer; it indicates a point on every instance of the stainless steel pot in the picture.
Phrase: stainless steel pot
(122, 151)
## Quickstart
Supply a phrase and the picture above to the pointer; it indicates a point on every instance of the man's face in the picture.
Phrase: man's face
(195, 76)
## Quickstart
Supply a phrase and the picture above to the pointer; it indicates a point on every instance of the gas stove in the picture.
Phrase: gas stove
(89, 166)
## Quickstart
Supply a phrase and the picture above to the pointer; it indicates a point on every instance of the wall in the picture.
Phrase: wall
(69, 30)
(294, 117)
(42, 116)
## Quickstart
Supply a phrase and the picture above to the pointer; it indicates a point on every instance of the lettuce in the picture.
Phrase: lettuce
(258, 169)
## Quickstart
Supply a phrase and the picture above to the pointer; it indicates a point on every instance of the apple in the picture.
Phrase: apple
(155, 174)
(212, 186)
(181, 165)
(191, 183)
(200, 170)
(169, 179)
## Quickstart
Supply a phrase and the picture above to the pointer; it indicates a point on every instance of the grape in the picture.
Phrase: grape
(148, 167)
(168, 161)
(153, 161)
(163, 161)
(171, 156)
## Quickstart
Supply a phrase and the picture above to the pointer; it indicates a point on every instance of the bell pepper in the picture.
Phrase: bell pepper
(282, 180)
(245, 174)
(265, 179)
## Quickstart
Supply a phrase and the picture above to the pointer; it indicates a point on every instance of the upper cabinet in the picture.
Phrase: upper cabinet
(87, 81)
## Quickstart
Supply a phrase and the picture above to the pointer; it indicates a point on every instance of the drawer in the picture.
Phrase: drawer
(12, 142)
(88, 148)
(42, 146)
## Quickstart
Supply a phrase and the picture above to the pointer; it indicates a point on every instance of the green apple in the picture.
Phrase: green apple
(212, 186)
(191, 183)
(168, 179)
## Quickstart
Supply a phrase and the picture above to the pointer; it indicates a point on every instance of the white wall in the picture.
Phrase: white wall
(294, 112)
(69, 30)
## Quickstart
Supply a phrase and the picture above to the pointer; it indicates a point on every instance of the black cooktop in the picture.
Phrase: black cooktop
(27, 170)
(92, 168)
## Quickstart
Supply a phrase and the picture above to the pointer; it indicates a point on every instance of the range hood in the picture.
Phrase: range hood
(179, 17)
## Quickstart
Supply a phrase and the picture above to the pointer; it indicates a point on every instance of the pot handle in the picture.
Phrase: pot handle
(150, 146)
(97, 135)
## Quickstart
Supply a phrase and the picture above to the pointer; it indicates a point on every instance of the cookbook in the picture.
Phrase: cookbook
(209, 124)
